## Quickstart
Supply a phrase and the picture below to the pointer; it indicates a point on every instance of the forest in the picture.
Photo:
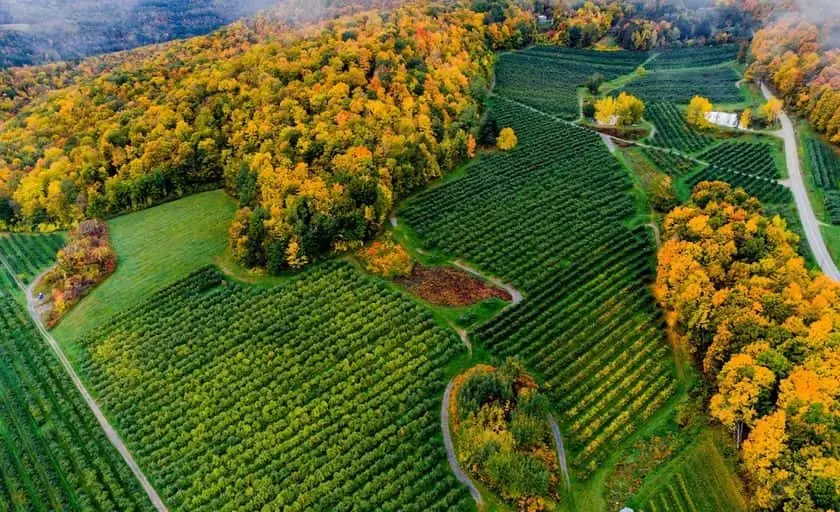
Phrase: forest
(763, 331)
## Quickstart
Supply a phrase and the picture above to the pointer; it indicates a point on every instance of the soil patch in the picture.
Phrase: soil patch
(448, 286)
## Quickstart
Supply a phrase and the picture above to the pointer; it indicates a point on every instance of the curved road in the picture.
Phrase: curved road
(561, 452)
(450, 448)
(800, 195)
(110, 433)
(515, 295)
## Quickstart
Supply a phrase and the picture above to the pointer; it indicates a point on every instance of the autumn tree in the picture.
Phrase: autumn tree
(764, 333)
(746, 119)
(606, 110)
(771, 109)
(507, 139)
(696, 112)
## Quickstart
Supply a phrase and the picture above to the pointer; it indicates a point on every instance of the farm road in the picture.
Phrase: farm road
(450, 448)
(561, 452)
(110, 433)
(800, 195)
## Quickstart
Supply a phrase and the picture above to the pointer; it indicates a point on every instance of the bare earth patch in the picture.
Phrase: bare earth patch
(448, 286)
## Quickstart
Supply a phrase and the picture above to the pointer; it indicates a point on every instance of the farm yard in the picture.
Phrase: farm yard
(320, 390)
(319, 394)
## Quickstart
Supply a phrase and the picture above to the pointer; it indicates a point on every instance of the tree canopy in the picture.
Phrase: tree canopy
(766, 335)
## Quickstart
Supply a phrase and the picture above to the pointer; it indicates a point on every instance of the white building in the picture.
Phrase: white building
(725, 119)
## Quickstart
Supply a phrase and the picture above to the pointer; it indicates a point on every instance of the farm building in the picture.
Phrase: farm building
(725, 119)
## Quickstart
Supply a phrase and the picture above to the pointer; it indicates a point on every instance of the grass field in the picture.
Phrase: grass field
(319, 394)
(155, 248)
(698, 481)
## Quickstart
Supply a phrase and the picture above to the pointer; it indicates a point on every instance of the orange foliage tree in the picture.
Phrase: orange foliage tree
(765, 333)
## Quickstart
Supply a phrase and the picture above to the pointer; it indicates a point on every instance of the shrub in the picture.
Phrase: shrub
(507, 139)
(387, 259)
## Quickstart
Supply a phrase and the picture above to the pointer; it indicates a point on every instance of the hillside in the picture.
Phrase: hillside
(486, 255)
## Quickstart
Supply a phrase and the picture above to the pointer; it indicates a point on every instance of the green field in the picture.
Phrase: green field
(680, 85)
(155, 248)
(548, 217)
(319, 394)
(321, 390)
(680, 58)
(757, 158)
(547, 78)
(29, 255)
(672, 130)
(54, 454)
(699, 481)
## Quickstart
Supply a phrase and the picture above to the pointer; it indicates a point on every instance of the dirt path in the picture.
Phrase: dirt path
(516, 297)
(800, 195)
(609, 142)
(561, 451)
(110, 433)
(656, 235)
(450, 448)
(465, 337)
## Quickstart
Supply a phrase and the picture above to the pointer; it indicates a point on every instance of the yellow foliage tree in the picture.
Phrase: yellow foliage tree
(772, 109)
(698, 107)
(507, 139)
(605, 110)
(746, 119)
(629, 109)
(765, 333)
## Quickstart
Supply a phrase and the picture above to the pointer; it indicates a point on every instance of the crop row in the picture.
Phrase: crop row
(547, 216)
(672, 130)
(700, 483)
(694, 57)
(548, 78)
(755, 158)
(679, 86)
(765, 189)
(29, 254)
(825, 164)
(320, 394)
(54, 455)
(832, 206)
(672, 164)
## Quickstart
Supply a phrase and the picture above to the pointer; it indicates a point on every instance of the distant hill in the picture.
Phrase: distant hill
(39, 31)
